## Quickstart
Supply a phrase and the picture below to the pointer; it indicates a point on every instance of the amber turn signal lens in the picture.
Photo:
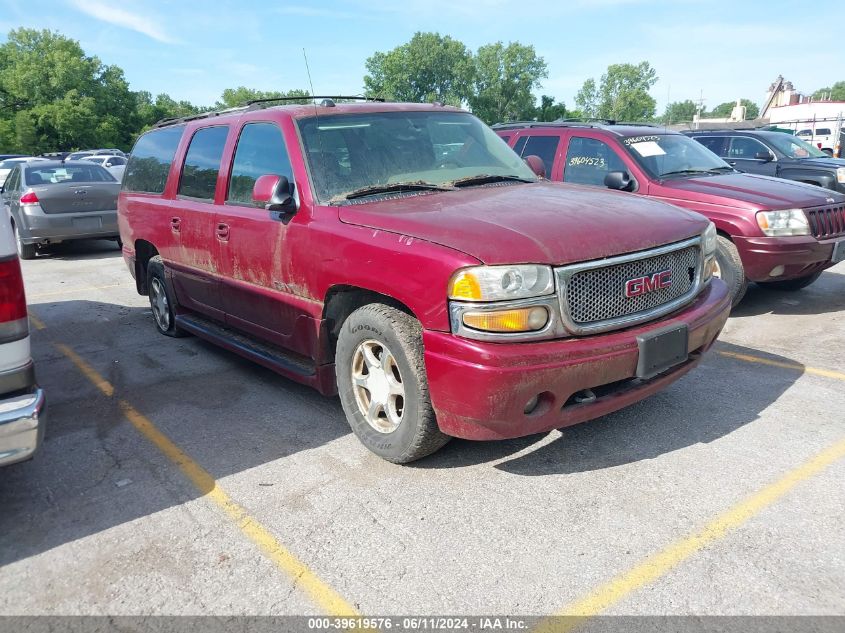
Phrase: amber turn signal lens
(519, 320)
(465, 286)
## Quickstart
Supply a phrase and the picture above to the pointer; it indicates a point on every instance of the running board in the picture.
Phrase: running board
(281, 361)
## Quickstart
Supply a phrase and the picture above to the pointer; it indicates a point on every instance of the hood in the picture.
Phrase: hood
(759, 192)
(828, 163)
(543, 223)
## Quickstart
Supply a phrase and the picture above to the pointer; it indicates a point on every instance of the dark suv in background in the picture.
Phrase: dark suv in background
(777, 233)
(774, 154)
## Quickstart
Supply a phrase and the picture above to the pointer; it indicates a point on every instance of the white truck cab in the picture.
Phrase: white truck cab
(22, 402)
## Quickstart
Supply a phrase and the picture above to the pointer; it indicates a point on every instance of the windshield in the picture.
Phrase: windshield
(794, 147)
(665, 155)
(8, 164)
(403, 151)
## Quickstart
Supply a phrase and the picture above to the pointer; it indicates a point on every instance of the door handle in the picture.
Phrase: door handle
(176, 224)
(222, 231)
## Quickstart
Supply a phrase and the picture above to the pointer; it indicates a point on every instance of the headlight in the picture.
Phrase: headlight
(781, 223)
(840, 175)
(501, 283)
(708, 240)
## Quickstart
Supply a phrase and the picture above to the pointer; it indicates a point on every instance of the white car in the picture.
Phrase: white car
(115, 165)
(8, 165)
(22, 403)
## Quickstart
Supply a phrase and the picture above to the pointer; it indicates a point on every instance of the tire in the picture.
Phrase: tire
(791, 284)
(25, 251)
(161, 299)
(730, 269)
(380, 351)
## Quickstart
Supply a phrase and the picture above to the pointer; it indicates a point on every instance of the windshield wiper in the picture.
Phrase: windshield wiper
(719, 170)
(374, 190)
(686, 172)
(484, 179)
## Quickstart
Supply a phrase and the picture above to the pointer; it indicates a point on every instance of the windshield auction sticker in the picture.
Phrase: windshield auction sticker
(648, 148)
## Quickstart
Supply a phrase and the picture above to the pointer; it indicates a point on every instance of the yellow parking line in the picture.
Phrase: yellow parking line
(827, 373)
(38, 323)
(657, 565)
(68, 291)
(320, 592)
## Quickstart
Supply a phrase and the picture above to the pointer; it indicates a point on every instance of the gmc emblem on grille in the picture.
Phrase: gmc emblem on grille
(643, 285)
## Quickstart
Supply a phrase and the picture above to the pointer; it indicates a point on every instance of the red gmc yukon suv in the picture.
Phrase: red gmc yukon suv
(402, 256)
(778, 233)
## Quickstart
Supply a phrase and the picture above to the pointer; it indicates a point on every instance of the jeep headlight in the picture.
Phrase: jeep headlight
(783, 223)
(501, 283)
(840, 175)
(708, 240)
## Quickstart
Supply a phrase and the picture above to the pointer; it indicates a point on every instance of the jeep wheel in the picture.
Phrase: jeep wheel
(161, 299)
(383, 386)
(791, 284)
(25, 251)
(730, 270)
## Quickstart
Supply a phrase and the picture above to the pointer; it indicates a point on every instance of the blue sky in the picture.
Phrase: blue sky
(193, 50)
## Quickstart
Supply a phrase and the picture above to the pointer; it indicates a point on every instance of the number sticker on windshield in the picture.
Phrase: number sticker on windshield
(639, 139)
(593, 161)
(648, 148)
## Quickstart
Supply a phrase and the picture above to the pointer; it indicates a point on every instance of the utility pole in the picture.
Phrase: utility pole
(699, 108)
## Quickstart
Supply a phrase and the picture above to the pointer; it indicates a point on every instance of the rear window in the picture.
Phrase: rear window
(150, 160)
(76, 172)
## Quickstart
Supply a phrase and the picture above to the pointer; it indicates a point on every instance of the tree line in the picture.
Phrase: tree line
(54, 97)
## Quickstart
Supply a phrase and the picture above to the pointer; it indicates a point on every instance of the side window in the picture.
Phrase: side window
(150, 160)
(202, 163)
(588, 160)
(506, 138)
(261, 150)
(745, 147)
(822, 131)
(715, 144)
(543, 146)
(13, 181)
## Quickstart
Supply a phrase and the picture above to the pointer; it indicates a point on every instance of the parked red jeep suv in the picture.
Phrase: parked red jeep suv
(778, 233)
(403, 256)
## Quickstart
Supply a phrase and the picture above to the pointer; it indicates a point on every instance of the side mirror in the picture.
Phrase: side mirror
(275, 193)
(536, 164)
(766, 156)
(619, 180)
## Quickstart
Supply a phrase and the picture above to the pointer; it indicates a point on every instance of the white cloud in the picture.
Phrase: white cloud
(106, 12)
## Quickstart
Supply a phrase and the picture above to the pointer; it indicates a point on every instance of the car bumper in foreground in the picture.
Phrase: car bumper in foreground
(787, 257)
(480, 390)
(22, 421)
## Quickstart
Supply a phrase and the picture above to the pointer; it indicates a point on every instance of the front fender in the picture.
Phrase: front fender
(820, 178)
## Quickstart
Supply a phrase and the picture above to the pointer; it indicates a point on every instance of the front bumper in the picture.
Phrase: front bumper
(480, 390)
(22, 421)
(800, 256)
(37, 227)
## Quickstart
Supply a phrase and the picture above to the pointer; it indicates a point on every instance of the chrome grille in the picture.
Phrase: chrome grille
(593, 296)
(826, 222)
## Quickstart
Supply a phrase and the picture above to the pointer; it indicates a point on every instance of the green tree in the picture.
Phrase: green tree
(587, 99)
(548, 110)
(678, 111)
(504, 79)
(723, 110)
(234, 97)
(430, 67)
(622, 93)
(54, 96)
(835, 93)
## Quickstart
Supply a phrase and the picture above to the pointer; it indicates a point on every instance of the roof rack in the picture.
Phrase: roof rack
(331, 98)
(258, 104)
(571, 122)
